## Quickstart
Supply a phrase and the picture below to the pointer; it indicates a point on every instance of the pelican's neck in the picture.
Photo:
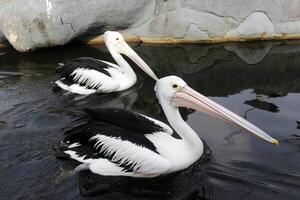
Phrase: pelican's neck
(122, 63)
(188, 135)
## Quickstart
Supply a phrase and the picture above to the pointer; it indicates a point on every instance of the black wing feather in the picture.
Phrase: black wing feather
(65, 71)
(83, 62)
(110, 122)
(124, 119)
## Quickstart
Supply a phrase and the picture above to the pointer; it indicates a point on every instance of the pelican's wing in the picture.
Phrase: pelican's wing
(166, 128)
(129, 120)
(116, 135)
(86, 75)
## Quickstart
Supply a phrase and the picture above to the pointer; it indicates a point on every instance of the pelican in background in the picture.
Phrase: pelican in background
(87, 75)
(116, 142)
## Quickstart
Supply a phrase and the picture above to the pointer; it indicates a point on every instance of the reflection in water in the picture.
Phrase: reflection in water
(263, 105)
(252, 53)
(260, 81)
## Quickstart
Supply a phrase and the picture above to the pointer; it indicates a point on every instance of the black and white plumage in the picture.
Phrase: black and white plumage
(114, 142)
(107, 133)
(89, 75)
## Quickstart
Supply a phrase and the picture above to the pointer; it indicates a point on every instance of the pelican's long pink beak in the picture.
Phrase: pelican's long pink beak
(126, 49)
(187, 97)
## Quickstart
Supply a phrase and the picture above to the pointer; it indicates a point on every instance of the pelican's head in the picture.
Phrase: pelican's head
(115, 43)
(177, 93)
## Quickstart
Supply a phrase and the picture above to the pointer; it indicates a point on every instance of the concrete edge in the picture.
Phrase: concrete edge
(169, 41)
(148, 40)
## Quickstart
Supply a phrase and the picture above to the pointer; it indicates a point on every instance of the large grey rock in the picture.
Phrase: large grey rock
(254, 25)
(43, 23)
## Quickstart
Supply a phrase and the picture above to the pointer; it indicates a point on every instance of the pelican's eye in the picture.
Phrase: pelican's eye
(117, 38)
(175, 86)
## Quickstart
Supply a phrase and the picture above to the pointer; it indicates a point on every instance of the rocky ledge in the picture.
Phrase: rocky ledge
(45, 23)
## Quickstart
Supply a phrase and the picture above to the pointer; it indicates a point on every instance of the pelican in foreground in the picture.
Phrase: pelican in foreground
(115, 142)
(87, 75)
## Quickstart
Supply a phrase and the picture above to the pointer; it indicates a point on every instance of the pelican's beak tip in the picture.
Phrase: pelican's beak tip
(275, 142)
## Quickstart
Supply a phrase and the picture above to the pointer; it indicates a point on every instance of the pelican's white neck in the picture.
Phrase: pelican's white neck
(122, 62)
(188, 135)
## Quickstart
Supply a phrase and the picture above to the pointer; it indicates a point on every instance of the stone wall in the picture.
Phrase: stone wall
(43, 23)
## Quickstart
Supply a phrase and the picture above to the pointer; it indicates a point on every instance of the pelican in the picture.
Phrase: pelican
(87, 75)
(116, 142)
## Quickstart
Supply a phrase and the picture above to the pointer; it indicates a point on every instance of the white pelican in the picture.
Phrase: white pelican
(87, 75)
(116, 142)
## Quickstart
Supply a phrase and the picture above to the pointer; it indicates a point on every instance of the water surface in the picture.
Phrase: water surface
(259, 81)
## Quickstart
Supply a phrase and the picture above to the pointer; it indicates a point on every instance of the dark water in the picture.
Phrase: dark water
(260, 81)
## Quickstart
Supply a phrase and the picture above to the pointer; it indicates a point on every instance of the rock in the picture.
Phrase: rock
(56, 22)
(45, 23)
(185, 23)
(255, 25)
(288, 28)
